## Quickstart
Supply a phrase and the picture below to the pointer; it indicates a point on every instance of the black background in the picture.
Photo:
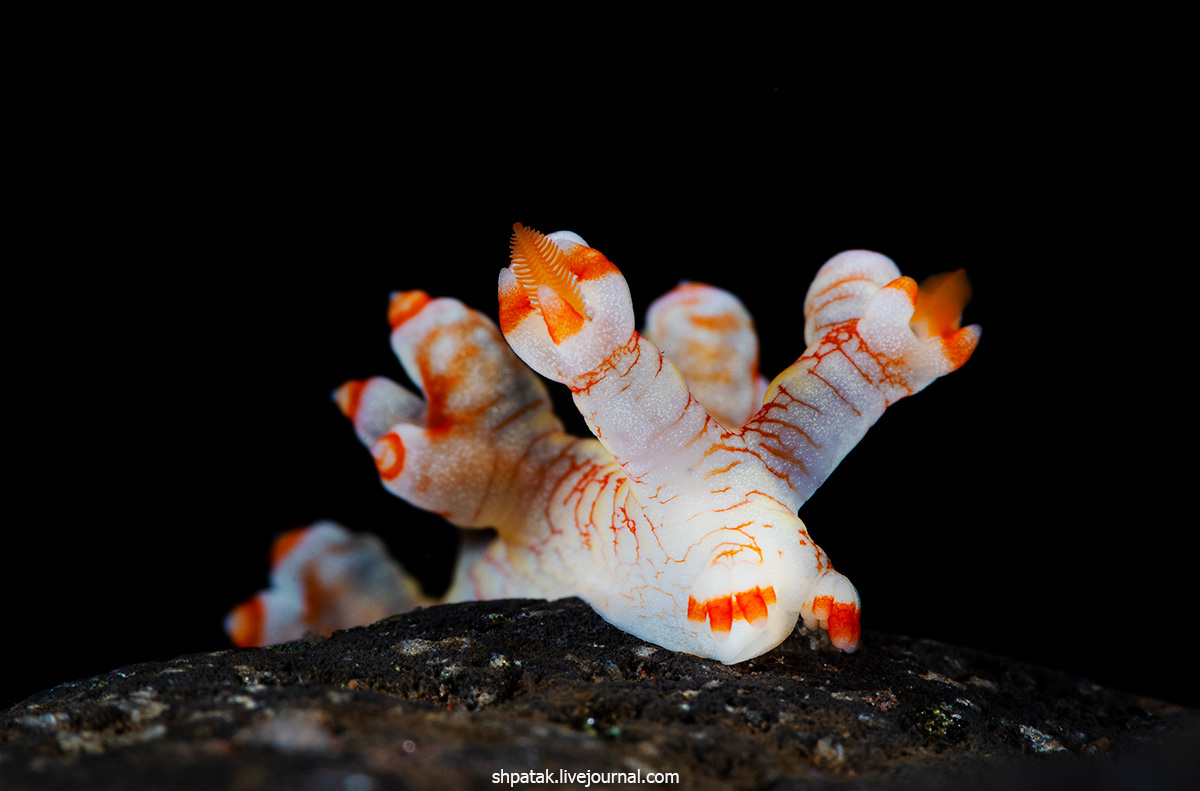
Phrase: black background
(216, 256)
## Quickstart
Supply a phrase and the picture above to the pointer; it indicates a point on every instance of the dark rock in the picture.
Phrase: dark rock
(449, 696)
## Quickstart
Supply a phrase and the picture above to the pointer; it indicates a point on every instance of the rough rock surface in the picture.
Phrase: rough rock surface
(448, 696)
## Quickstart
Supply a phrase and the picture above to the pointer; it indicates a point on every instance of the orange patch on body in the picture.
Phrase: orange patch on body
(720, 612)
(389, 455)
(405, 305)
(246, 623)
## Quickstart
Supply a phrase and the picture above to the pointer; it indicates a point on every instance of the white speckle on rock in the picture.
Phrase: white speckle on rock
(47, 720)
(830, 753)
(293, 731)
(1041, 742)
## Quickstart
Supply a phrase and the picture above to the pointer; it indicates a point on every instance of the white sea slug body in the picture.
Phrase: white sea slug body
(677, 522)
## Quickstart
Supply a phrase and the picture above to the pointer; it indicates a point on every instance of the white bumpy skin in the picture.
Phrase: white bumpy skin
(678, 522)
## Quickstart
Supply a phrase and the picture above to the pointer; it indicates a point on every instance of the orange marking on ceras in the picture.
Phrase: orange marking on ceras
(591, 475)
(389, 456)
(562, 320)
(722, 470)
(958, 348)
(720, 612)
(736, 549)
(285, 543)
(691, 291)
(709, 363)
(514, 307)
(630, 524)
(587, 263)
(838, 336)
(610, 363)
(348, 397)
(518, 413)
(246, 623)
(720, 322)
(438, 387)
(320, 600)
(843, 281)
(549, 506)
(840, 619)
(907, 285)
(718, 447)
(793, 400)
(813, 373)
(780, 450)
(815, 308)
(317, 598)
(405, 305)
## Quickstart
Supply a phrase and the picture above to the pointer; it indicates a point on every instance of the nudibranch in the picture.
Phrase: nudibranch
(678, 520)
